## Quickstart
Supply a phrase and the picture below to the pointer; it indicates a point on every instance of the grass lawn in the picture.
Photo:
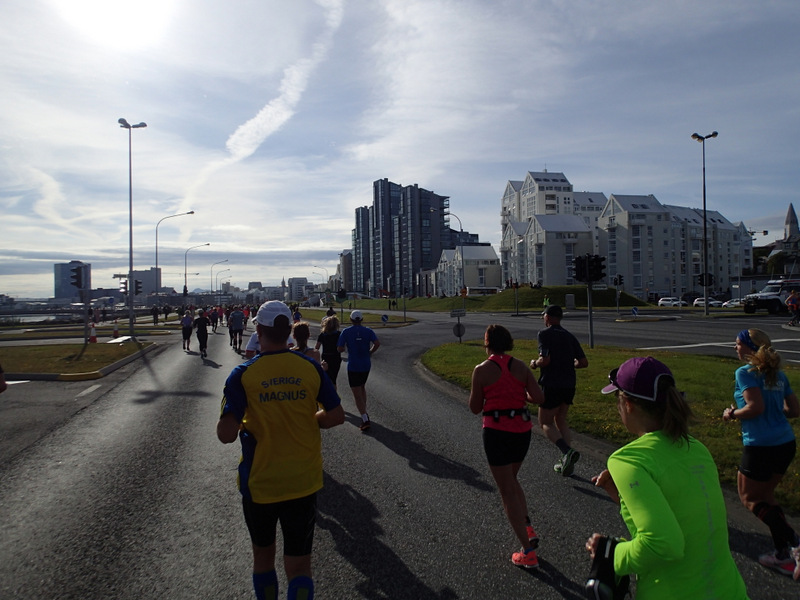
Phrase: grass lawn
(706, 380)
(64, 358)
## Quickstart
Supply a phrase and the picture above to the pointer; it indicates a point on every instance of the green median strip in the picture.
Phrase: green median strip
(66, 359)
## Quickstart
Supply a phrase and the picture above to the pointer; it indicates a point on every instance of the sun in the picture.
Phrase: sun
(119, 24)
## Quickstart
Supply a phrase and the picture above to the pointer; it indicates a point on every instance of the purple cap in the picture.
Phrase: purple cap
(638, 377)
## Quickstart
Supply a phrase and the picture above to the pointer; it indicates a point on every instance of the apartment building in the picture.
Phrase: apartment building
(658, 249)
(400, 237)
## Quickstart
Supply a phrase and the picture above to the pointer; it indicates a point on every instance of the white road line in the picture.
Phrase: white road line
(88, 390)
(721, 345)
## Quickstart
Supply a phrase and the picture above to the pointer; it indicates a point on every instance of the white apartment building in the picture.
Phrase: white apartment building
(658, 249)
(473, 266)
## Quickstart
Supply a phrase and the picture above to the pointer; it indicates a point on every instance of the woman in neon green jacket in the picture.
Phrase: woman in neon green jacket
(667, 486)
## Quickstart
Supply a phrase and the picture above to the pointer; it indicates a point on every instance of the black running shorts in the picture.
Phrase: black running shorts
(297, 518)
(760, 463)
(505, 448)
(555, 397)
(357, 378)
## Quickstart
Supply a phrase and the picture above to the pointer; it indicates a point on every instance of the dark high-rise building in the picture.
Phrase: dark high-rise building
(402, 234)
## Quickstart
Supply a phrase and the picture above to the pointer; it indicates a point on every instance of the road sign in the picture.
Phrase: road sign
(599, 286)
(634, 311)
(458, 312)
(458, 330)
(385, 319)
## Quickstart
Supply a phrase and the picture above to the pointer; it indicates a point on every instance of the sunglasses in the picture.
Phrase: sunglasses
(612, 377)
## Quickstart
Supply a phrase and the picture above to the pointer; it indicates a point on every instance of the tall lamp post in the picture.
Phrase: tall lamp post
(185, 267)
(158, 276)
(702, 139)
(212, 273)
(219, 299)
(125, 125)
(327, 280)
(461, 247)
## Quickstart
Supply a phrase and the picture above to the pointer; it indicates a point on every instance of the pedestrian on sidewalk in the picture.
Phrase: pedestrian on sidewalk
(667, 486)
(280, 471)
(560, 354)
(501, 388)
(764, 401)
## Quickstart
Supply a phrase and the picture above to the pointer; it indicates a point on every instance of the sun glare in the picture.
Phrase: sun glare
(119, 24)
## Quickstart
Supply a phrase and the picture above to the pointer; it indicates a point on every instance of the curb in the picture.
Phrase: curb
(102, 372)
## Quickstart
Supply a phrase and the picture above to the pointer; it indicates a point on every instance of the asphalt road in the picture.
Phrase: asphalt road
(118, 488)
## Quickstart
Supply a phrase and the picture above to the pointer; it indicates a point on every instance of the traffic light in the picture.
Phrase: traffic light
(185, 291)
(123, 286)
(596, 268)
(137, 287)
(701, 279)
(620, 280)
(581, 268)
(76, 277)
(341, 294)
(600, 267)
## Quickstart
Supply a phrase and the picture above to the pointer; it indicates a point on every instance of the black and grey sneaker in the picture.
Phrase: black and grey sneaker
(568, 462)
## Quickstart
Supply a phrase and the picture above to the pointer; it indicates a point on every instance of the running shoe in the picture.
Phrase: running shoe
(568, 462)
(533, 539)
(365, 425)
(524, 559)
(795, 554)
(781, 565)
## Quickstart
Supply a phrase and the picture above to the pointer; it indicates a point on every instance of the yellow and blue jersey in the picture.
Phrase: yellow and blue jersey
(275, 397)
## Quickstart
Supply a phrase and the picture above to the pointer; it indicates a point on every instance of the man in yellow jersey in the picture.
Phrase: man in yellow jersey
(272, 404)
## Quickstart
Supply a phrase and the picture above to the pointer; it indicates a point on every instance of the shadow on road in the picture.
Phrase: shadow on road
(422, 460)
(352, 521)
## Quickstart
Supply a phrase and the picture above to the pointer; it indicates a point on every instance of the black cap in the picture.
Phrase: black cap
(554, 310)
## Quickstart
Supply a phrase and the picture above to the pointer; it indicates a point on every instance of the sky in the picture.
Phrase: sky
(270, 119)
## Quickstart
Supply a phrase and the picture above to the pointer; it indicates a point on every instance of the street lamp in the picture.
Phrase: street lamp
(125, 125)
(185, 267)
(461, 247)
(217, 286)
(158, 276)
(327, 277)
(212, 273)
(702, 139)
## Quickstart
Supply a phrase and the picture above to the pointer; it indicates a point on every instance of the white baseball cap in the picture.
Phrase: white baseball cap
(356, 315)
(269, 310)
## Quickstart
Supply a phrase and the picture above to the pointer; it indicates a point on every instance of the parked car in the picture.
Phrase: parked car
(711, 302)
(734, 303)
(669, 301)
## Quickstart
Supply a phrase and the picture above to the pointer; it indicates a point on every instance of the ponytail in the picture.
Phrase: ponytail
(671, 410)
(765, 360)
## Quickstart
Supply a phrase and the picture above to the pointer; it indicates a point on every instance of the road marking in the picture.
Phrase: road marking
(88, 390)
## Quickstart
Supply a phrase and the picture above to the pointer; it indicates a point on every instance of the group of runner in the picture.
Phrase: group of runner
(665, 481)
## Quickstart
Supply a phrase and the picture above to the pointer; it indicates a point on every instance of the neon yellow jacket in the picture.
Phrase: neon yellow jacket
(672, 504)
